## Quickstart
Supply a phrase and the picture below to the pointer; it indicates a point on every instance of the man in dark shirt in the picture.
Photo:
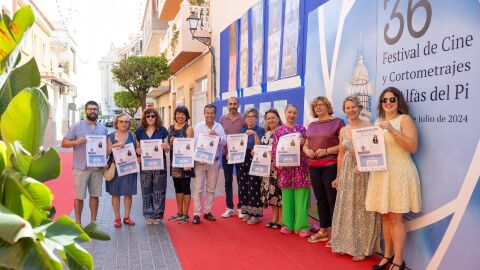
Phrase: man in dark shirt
(232, 123)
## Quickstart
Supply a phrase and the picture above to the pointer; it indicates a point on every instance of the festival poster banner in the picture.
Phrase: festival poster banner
(290, 38)
(263, 108)
(430, 51)
(232, 64)
(237, 148)
(262, 160)
(369, 145)
(257, 43)
(152, 155)
(206, 148)
(96, 150)
(244, 51)
(126, 159)
(274, 36)
(183, 152)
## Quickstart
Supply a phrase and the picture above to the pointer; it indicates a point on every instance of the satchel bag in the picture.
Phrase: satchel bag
(109, 172)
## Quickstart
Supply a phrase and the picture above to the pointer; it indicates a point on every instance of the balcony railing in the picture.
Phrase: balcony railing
(180, 47)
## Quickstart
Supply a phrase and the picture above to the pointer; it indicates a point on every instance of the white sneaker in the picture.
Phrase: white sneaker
(240, 214)
(228, 213)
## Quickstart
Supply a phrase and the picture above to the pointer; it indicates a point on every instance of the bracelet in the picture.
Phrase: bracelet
(326, 151)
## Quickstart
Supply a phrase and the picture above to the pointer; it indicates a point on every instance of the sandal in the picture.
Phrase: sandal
(318, 237)
(184, 219)
(276, 226)
(253, 220)
(149, 221)
(328, 244)
(118, 223)
(269, 224)
(128, 221)
(176, 217)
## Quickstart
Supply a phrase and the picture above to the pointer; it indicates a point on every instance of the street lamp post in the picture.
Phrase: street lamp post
(194, 22)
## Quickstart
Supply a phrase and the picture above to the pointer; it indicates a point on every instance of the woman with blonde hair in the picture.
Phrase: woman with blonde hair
(355, 231)
(321, 148)
(126, 185)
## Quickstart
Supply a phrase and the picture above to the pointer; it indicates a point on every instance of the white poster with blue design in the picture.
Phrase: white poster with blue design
(152, 155)
(369, 145)
(261, 161)
(429, 50)
(288, 150)
(206, 148)
(257, 43)
(96, 150)
(237, 148)
(290, 38)
(183, 152)
(126, 159)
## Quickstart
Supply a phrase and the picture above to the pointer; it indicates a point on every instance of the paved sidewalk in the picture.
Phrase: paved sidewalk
(140, 246)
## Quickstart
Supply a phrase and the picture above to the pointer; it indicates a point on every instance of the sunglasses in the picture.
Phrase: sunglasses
(123, 122)
(392, 100)
(150, 116)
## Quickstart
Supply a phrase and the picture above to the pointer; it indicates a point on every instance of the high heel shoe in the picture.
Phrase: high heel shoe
(383, 266)
(403, 266)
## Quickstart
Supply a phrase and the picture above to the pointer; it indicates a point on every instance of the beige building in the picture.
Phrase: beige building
(189, 61)
(55, 53)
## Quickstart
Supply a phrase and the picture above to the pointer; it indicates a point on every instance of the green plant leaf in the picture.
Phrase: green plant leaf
(39, 193)
(65, 231)
(15, 197)
(21, 158)
(77, 257)
(20, 78)
(25, 119)
(27, 254)
(95, 232)
(44, 90)
(3, 156)
(45, 165)
(11, 33)
(13, 226)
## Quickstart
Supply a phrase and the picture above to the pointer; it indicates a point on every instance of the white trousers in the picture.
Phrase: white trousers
(206, 175)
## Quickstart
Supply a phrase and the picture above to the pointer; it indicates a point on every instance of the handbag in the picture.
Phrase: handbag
(109, 172)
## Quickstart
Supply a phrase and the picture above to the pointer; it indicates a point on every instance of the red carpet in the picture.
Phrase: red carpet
(62, 187)
(232, 244)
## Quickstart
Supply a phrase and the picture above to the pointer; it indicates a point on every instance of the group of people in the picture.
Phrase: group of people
(353, 207)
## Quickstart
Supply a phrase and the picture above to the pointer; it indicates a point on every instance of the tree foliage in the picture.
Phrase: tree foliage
(138, 74)
(126, 100)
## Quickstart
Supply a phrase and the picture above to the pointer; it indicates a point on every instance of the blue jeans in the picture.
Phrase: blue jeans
(228, 173)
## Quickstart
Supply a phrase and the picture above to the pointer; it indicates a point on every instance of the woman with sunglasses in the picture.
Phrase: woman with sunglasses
(395, 191)
(181, 176)
(126, 185)
(153, 182)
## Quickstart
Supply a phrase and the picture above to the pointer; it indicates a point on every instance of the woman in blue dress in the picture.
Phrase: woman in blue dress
(126, 185)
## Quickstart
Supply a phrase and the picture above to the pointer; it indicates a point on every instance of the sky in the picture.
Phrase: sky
(98, 24)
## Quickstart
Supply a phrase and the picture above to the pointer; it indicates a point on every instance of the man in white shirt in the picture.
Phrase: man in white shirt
(207, 172)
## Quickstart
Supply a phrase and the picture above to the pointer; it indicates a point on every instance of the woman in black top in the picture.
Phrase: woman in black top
(181, 176)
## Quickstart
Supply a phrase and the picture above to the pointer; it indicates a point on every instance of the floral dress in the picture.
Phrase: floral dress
(271, 193)
(291, 177)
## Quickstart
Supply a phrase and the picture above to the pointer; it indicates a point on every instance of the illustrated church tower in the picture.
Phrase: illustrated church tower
(360, 86)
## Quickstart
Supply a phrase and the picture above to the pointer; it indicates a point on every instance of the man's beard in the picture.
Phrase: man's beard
(92, 117)
(233, 111)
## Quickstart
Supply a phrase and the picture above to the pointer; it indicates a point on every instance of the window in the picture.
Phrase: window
(44, 54)
(180, 93)
(27, 44)
(35, 45)
(201, 85)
